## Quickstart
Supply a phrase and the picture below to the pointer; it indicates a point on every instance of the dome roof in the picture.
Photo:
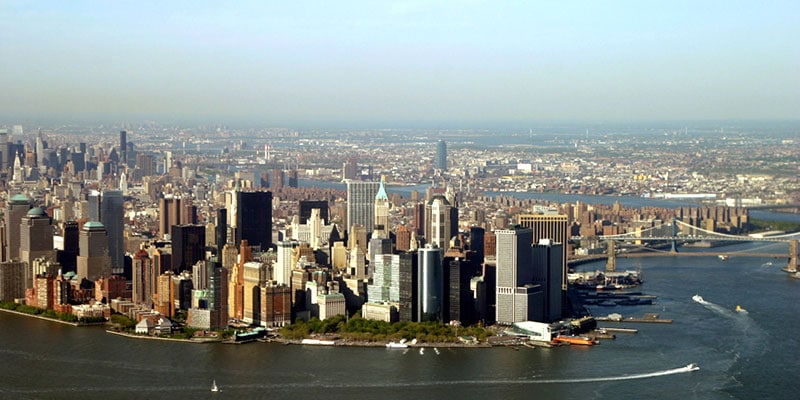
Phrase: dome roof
(36, 212)
(20, 199)
(93, 225)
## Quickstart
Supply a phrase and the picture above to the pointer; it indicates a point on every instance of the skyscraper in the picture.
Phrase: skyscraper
(361, 204)
(430, 284)
(441, 155)
(516, 293)
(123, 147)
(438, 218)
(254, 219)
(306, 206)
(17, 208)
(169, 214)
(93, 259)
(549, 226)
(547, 273)
(381, 224)
(188, 246)
(36, 240)
(112, 217)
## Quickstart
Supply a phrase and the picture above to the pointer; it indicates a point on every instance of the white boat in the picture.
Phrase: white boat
(421, 350)
(722, 257)
(692, 367)
(698, 298)
(214, 387)
(740, 310)
(395, 345)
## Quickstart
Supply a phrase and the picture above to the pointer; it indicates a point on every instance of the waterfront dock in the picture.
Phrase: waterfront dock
(647, 318)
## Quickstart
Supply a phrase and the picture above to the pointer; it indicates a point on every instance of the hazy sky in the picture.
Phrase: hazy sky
(400, 63)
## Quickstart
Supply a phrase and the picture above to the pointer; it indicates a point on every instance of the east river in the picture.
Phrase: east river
(742, 356)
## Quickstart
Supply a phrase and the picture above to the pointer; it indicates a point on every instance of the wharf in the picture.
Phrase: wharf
(618, 330)
(648, 318)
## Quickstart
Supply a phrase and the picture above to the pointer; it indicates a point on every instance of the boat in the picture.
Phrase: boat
(396, 345)
(692, 367)
(582, 340)
(722, 257)
(698, 298)
(214, 387)
(422, 351)
(741, 310)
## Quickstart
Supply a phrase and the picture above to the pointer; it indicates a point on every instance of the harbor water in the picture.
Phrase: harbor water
(741, 356)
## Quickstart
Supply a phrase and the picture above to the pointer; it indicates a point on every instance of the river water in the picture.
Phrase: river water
(742, 356)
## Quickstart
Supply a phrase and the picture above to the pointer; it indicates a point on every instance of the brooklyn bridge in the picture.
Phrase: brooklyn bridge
(640, 243)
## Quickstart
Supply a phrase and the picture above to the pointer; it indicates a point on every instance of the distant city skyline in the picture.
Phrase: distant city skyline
(439, 64)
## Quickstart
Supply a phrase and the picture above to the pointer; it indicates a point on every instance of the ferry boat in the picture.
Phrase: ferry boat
(582, 340)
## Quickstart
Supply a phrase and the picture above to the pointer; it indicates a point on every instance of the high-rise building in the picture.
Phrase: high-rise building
(169, 214)
(17, 208)
(12, 280)
(547, 273)
(550, 226)
(403, 238)
(441, 155)
(439, 223)
(218, 294)
(36, 240)
(278, 179)
(68, 255)
(283, 267)
(188, 246)
(386, 278)
(430, 284)
(361, 203)
(350, 169)
(476, 242)
(112, 217)
(221, 230)
(93, 259)
(516, 293)
(306, 206)
(409, 285)
(123, 147)
(381, 224)
(141, 285)
(254, 219)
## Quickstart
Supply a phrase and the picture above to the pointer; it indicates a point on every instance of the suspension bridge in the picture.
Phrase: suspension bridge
(680, 232)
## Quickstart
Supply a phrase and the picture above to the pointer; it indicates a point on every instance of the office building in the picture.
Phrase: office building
(430, 282)
(254, 219)
(113, 219)
(547, 273)
(36, 240)
(361, 204)
(93, 259)
(550, 226)
(516, 293)
(381, 213)
(441, 155)
(305, 207)
(17, 207)
(441, 221)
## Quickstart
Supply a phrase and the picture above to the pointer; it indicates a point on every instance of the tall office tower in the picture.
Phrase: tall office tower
(550, 226)
(459, 304)
(403, 238)
(385, 285)
(68, 256)
(39, 150)
(378, 246)
(476, 243)
(169, 214)
(112, 216)
(142, 289)
(408, 281)
(283, 267)
(381, 211)
(516, 294)
(489, 244)
(188, 246)
(199, 277)
(218, 294)
(164, 302)
(5, 155)
(361, 204)
(36, 240)
(306, 206)
(292, 175)
(93, 259)
(429, 284)
(221, 230)
(547, 273)
(441, 155)
(350, 169)
(439, 223)
(123, 147)
(12, 280)
(254, 219)
(419, 219)
(16, 209)
(278, 179)
(255, 276)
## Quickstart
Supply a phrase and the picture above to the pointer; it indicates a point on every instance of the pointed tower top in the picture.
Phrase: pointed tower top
(382, 191)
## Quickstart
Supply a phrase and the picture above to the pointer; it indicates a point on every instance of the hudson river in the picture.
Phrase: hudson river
(742, 356)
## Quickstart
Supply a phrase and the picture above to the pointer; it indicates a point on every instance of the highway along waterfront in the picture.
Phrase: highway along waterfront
(737, 353)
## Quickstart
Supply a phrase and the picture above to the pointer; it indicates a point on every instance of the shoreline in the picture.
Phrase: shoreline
(166, 339)
(75, 324)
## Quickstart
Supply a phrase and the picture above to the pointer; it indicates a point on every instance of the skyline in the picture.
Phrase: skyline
(400, 64)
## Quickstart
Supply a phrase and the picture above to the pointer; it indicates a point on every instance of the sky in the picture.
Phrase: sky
(399, 63)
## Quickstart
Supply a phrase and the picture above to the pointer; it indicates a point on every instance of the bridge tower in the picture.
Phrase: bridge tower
(792, 266)
(611, 262)
(674, 245)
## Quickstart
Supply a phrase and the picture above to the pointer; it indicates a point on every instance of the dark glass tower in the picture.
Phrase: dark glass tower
(307, 205)
(188, 246)
(254, 219)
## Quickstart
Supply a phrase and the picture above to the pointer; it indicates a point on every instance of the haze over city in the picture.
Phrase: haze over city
(442, 64)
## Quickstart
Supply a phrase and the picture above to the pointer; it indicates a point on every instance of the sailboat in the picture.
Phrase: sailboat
(214, 387)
